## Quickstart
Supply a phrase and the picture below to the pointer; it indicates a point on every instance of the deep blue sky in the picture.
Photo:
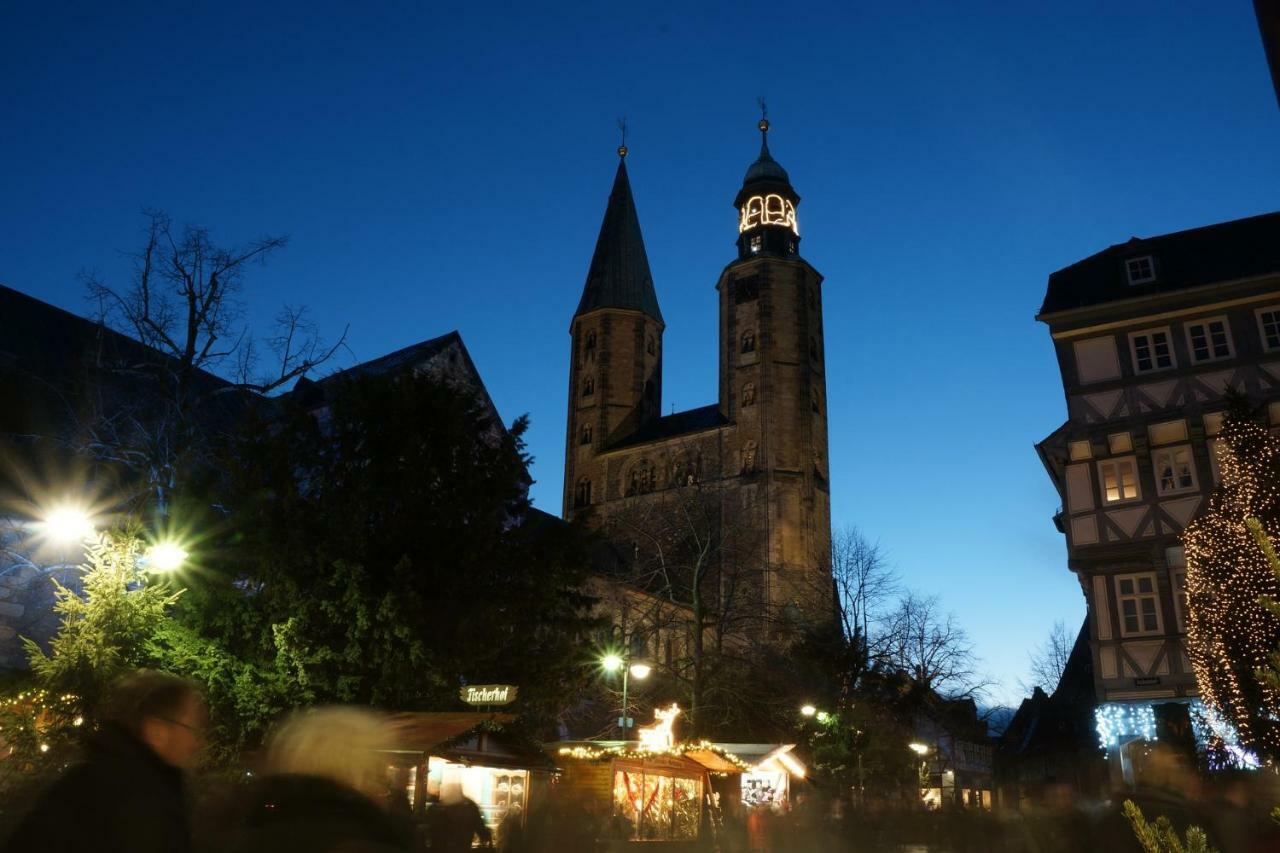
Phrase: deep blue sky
(446, 167)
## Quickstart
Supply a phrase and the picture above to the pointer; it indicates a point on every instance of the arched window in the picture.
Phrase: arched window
(586, 434)
(748, 457)
(749, 341)
(642, 478)
(749, 394)
(582, 494)
(589, 386)
(651, 346)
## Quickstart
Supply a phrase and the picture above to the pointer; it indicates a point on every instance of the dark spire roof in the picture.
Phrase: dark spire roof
(619, 276)
(765, 168)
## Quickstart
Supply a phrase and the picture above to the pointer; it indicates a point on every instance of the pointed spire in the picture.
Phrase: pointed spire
(619, 276)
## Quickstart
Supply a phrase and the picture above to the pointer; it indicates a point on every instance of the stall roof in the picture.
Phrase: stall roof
(716, 757)
(458, 737)
(424, 731)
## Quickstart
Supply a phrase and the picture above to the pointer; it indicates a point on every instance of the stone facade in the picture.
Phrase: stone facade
(760, 452)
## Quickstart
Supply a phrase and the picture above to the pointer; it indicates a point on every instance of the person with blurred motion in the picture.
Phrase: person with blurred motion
(128, 794)
(324, 790)
(455, 822)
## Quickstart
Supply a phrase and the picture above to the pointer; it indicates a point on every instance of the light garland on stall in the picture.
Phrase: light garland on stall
(1230, 635)
(1116, 720)
(595, 753)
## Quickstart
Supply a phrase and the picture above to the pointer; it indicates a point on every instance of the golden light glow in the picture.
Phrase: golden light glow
(68, 525)
(166, 557)
(611, 663)
(808, 710)
(640, 671)
(918, 748)
(771, 209)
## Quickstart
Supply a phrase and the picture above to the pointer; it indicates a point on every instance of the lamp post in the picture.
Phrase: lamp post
(639, 670)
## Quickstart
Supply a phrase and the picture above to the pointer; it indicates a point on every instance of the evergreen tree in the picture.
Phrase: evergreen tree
(104, 632)
(1230, 633)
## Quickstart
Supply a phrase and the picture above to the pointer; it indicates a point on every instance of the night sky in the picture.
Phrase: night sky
(447, 168)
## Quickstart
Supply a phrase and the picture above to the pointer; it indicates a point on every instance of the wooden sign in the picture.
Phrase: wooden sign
(488, 694)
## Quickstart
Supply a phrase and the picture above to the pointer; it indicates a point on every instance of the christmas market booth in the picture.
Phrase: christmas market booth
(657, 789)
(496, 768)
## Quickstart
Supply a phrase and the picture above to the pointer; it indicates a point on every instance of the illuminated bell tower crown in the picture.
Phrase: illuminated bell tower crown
(766, 206)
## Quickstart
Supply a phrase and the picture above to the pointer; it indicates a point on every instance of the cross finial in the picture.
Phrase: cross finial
(764, 116)
(622, 128)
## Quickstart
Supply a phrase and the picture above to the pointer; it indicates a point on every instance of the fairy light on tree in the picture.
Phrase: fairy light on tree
(1230, 631)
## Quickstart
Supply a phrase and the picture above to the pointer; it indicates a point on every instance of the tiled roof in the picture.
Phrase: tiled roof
(1228, 251)
(680, 423)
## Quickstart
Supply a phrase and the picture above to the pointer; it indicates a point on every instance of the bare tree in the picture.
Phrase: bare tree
(702, 562)
(864, 584)
(1049, 659)
(932, 649)
(182, 303)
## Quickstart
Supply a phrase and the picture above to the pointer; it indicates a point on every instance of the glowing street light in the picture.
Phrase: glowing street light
(166, 557)
(640, 670)
(918, 748)
(611, 663)
(808, 710)
(69, 525)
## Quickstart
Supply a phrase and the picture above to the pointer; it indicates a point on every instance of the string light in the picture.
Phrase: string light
(771, 209)
(1230, 634)
(678, 750)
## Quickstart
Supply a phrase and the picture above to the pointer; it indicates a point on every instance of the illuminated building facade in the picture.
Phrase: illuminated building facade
(762, 447)
(1149, 335)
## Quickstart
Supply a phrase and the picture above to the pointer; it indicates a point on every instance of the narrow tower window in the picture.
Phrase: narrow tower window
(749, 457)
(757, 241)
(589, 387)
(651, 346)
(749, 394)
(582, 494)
(749, 341)
(586, 434)
(591, 341)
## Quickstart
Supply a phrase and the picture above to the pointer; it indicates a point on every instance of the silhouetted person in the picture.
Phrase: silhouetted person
(455, 822)
(325, 790)
(128, 794)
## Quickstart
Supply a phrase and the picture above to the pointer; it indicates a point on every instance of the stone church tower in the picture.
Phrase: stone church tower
(763, 446)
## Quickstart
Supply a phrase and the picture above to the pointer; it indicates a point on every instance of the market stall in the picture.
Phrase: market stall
(474, 751)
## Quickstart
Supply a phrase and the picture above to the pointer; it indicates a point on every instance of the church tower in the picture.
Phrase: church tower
(615, 374)
(773, 387)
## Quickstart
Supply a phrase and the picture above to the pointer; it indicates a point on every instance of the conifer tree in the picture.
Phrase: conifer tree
(1230, 632)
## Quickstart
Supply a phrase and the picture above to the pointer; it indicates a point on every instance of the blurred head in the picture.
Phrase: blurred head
(451, 793)
(163, 711)
(338, 744)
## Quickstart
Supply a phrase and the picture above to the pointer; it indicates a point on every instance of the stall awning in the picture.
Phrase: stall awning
(766, 756)
(467, 738)
(425, 731)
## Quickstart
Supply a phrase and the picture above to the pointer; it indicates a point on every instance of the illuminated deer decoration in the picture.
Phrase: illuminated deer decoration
(659, 737)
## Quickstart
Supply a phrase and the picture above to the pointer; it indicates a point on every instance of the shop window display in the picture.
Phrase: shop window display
(496, 791)
(656, 807)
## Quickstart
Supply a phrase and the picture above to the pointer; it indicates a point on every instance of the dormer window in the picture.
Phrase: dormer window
(1140, 270)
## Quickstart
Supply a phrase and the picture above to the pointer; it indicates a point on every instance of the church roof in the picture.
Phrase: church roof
(619, 276)
(676, 424)
(765, 168)
(1227, 251)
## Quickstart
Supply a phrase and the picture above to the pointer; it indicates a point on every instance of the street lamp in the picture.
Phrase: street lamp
(808, 710)
(918, 748)
(638, 670)
(166, 556)
(68, 525)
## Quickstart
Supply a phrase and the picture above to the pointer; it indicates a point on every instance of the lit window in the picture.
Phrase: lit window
(756, 242)
(1139, 605)
(1141, 270)
(1175, 471)
(1119, 480)
(749, 341)
(1120, 442)
(1208, 340)
(1269, 320)
(791, 247)
(1151, 350)
(1081, 450)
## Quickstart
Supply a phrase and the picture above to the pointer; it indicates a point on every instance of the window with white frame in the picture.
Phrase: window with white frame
(1140, 270)
(1119, 478)
(1175, 469)
(1152, 350)
(1139, 605)
(1269, 324)
(1209, 340)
